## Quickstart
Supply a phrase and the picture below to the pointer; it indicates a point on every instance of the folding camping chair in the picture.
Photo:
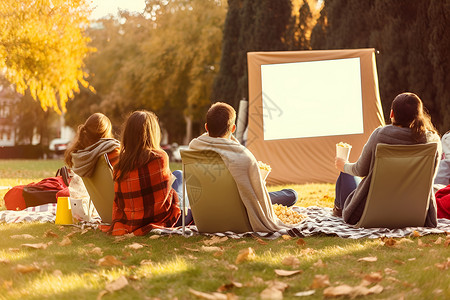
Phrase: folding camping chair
(400, 186)
(100, 187)
(212, 192)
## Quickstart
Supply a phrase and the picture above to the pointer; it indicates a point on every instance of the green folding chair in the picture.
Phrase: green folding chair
(213, 195)
(400, 186)
(100, 187)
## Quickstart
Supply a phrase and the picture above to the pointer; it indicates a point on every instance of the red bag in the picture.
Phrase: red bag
(34, 194)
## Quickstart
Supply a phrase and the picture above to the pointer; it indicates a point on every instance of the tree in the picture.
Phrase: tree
(42, 47)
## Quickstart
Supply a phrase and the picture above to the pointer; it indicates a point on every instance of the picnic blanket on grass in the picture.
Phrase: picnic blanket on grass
(321, 221)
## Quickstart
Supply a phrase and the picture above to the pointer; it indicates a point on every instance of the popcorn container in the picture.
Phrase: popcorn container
(343, 151)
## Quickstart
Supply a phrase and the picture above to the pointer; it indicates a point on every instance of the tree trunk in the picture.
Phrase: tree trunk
(188, 137)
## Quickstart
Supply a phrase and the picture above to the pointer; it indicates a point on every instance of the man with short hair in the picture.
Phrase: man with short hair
(243, 166)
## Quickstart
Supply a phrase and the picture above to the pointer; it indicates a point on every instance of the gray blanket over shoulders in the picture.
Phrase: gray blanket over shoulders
(84, 160)
(354, 205)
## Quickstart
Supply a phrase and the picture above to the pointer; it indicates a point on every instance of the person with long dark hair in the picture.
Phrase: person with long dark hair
(410, 125)
(144, 194)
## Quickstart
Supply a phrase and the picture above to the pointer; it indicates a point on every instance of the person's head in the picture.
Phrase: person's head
(220, 120)
(141, 135)
(407, 111)
(96, 127)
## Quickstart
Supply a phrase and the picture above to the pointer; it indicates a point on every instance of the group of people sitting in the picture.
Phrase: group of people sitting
(148, 195)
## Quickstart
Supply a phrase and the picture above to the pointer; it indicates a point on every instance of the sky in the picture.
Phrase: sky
(102, 8)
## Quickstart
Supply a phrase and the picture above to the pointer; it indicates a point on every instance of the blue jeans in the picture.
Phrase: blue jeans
(286, 197)
(177, 185)
(345, 184)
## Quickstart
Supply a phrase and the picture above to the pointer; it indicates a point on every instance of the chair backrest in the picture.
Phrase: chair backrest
(100, 187)
(212, 192)
(400, 187)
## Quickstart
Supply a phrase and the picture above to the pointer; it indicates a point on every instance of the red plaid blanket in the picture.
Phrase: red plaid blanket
(144, 199)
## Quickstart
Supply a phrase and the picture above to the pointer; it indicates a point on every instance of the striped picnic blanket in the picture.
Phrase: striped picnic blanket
(321, 221)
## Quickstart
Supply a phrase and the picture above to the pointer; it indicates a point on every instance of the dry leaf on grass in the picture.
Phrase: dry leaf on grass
(192, 249)
(291, 261)
(308, 251)
(444, 265)
(124, 237)
(210, 248)
(305, 293)
(369, 259)
(84, 231)
(228, 286)
(286, 273)
(13, 249)
(36, 246)
(352, 292)
(7, 284)
(109, 261)
(301, 242)
(438, 241)
(389, 271)
(320, 281)
(208, 296)
(412, 259)
(101, 294)
(71, 234)
(286, 237)
(154, 237)
(245, 254)
(96, 251)
(232, 267)
(422, 244)
(135, 246)
(117, 284)
(389, 242)
(271, 293)
(373, 277)
(261, 241)
(214, 240)
(23, 269)
(279, 285)
(50, 233)
(398, 262)
(146, 262)
(415, 233)
(320, 264)
(218, 254)
(23, 236)
(65, 241)
(57, 273)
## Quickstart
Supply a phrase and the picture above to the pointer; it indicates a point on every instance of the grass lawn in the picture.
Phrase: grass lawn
(73, 264)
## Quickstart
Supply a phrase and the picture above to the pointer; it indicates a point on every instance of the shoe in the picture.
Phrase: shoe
(337, 212)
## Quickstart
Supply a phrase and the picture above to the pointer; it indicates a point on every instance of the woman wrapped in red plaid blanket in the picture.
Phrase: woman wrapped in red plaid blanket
(144, 198)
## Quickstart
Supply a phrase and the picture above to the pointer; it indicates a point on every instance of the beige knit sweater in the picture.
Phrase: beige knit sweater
(244, 168)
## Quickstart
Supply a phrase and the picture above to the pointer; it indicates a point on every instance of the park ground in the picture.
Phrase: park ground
(64, 262)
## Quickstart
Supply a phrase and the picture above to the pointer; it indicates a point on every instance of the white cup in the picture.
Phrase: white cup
(343, 152)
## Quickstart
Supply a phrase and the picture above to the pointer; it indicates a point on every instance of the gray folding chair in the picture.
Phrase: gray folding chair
(213, 195)
(400, 186)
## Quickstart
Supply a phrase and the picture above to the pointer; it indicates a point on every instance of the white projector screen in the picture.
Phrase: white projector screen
(312, 99)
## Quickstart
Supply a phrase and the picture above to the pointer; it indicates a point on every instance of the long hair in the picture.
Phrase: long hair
(409, 112)
(97, 126)
(140, 137)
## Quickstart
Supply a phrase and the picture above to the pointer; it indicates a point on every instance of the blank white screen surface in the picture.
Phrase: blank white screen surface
(312, 99)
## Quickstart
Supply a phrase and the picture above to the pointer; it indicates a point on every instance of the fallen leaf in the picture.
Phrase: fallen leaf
(305, 293)
(71, 234)
(108, 261)
(412, 259)
(124, 237)
(389, 271)
(154, 237)
(232, 267)
(369, 259)
(399, 262)
(352, 292)
(117, 284)
(126, 254)
(23, 269)
(215, 240)
(7, 284)
(146, 262)
(13, 249)
(245, 254)
(191, 249)
(405, 240)
(96, 251)
(218, 253)
(228, 286)
(320, 281)
(301, 242)
(291, 261)
(57, 273)
(286, 237)
(210, 248)
(90, 245)
(271, 293)
(208, 296)
(4, 261)
(50, 233)
(389, 242)
(415, 233)
(308, 251)
(279, 285)
(444, 265)
(438, 241)
(22, 236)
(35, 246)
(373, 277)
(286, 273)
(65, 241)
(261, 241)
(135, 246)
(84, 231)
(421, 244)
(320, 264)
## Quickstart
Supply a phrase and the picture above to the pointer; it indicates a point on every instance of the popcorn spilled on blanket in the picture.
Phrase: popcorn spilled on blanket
(287, 215)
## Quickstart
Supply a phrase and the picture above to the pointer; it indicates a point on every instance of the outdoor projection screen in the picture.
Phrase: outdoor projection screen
(302, 103)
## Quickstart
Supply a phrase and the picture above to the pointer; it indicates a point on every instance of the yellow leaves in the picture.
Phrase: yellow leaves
(215, 240)
(135, 246)
(287, 273)
(349, 291)
(23, 269)
(208, 296)
(245, 255)
(368, 259)
(109, 261)
(444, 265)
(291, 261)
(320, 281)
(36, 246)
(65, 241)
